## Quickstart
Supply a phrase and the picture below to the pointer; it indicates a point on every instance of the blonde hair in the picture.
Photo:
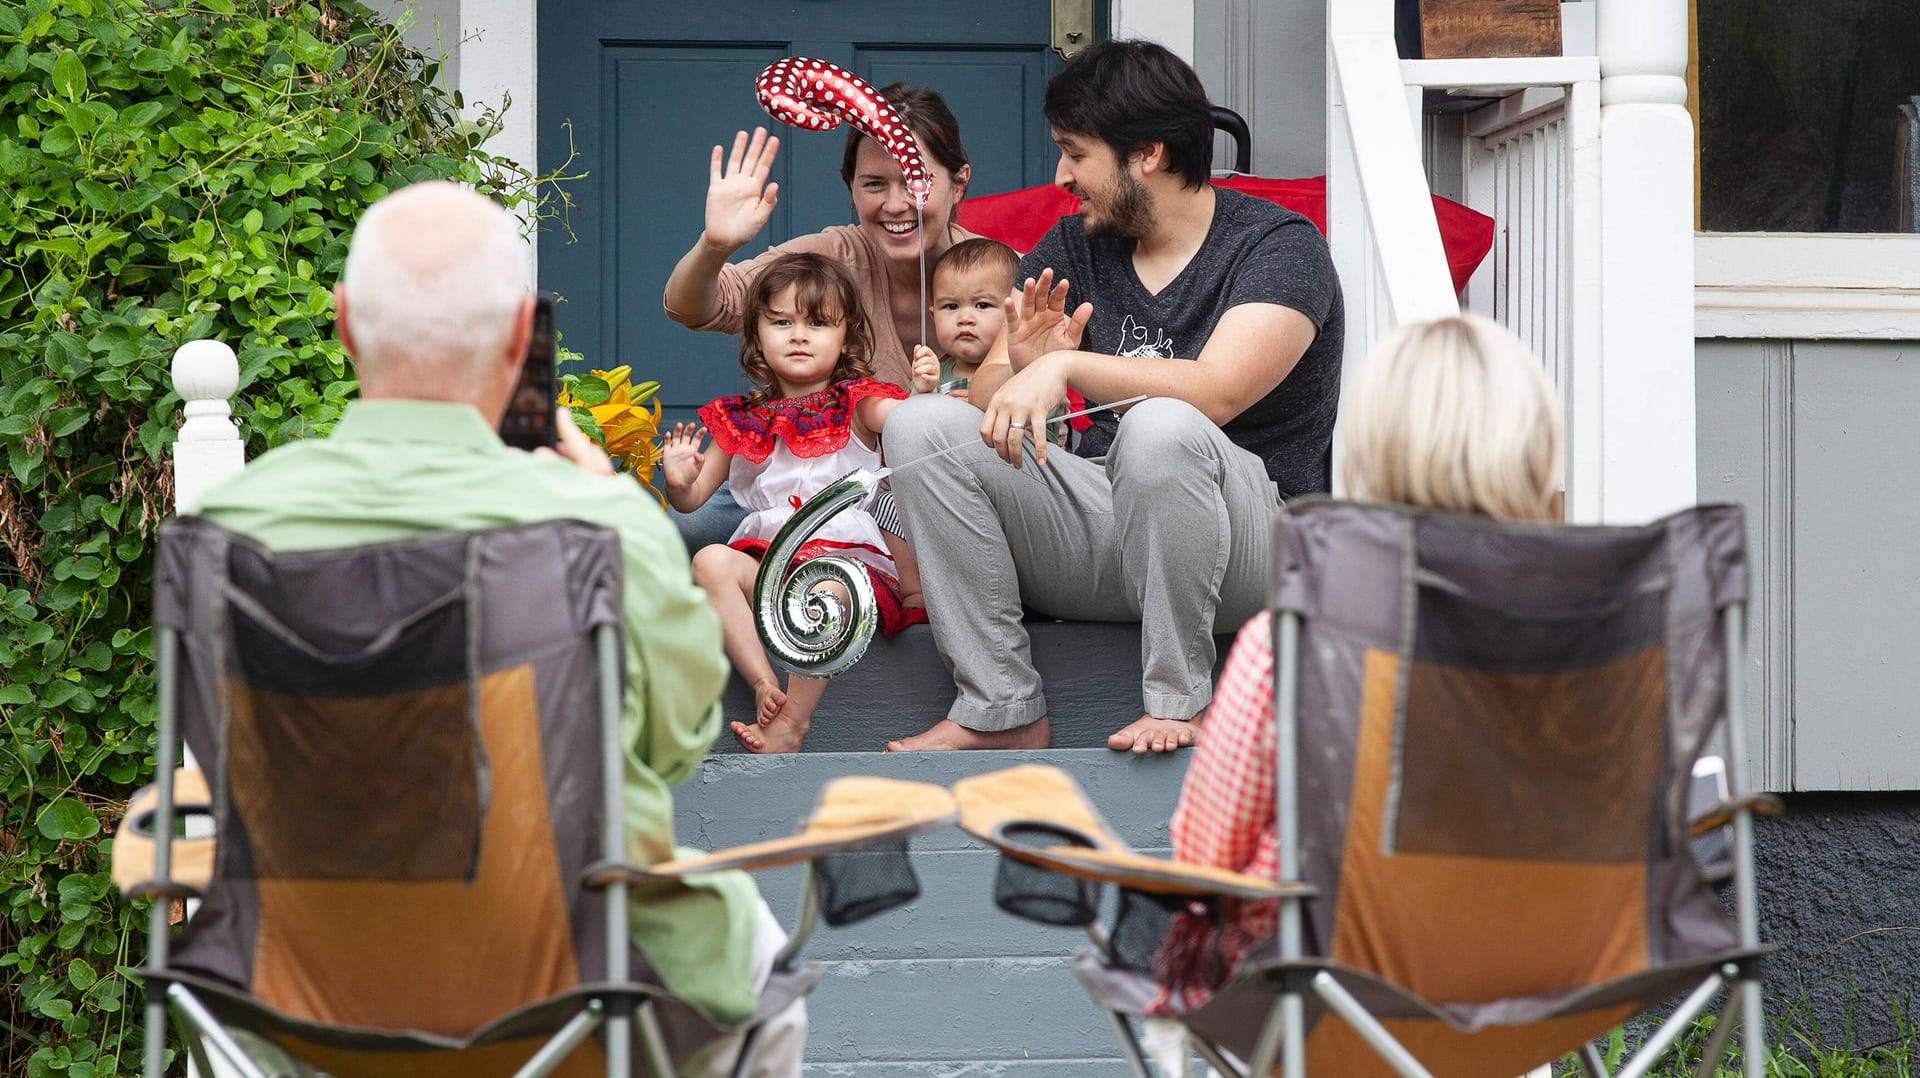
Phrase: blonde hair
(1455, 414)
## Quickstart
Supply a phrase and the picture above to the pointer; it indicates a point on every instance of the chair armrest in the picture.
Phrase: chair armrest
(854, 813)
(135, 843)
(1030, 793)
(1721, 814)
(1139, 872)
(998, 807)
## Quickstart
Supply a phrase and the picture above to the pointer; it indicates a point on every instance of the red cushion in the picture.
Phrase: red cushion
(1020, 218)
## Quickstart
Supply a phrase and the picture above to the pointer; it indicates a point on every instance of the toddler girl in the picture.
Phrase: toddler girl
(815, 416)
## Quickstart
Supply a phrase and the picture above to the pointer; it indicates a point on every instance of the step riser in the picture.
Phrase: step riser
(1091, 672)
(947, 985)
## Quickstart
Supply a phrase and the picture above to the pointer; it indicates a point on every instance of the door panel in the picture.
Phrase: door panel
(655, 203)
(995, 94)
(639, 92)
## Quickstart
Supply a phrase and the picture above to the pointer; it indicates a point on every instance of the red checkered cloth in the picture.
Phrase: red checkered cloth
(1225, 820)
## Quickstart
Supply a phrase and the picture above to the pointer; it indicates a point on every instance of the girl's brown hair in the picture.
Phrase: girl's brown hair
(821, 289)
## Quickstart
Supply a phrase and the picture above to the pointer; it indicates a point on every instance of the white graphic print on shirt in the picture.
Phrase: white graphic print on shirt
(1135, 342)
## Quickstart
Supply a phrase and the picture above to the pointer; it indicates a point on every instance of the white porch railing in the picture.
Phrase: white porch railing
(1531, 161)
(1586, 165)
(208, 449)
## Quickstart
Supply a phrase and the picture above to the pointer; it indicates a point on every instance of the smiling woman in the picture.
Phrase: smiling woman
(883, 249)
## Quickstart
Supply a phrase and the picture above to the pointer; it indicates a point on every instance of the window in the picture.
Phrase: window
(1809, 115)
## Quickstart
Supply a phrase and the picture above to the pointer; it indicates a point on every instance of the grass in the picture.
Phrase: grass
(1800, 1049)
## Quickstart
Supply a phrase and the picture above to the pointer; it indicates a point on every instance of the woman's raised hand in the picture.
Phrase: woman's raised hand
(739, 198)
(681, 456)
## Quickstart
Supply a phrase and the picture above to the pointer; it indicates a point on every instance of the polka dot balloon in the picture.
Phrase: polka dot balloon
(818, 96)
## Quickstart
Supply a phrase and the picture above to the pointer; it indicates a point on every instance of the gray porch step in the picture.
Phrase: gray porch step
(1011, 1068)
(947, 985)
(1091, 671)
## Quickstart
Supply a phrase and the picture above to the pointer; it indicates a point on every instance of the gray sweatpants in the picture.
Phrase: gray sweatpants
(1171, 528)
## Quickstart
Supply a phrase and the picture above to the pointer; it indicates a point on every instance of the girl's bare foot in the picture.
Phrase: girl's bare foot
(767, 699)
(782, 733)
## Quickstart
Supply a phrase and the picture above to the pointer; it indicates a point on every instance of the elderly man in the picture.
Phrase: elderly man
(435, 310)
(1225, 310)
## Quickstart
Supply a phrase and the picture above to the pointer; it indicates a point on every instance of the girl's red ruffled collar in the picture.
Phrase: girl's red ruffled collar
(812, 426)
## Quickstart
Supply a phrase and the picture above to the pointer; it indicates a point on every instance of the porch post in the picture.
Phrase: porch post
(1646, 252)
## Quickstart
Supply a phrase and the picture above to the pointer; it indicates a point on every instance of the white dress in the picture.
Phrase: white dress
(786, 451)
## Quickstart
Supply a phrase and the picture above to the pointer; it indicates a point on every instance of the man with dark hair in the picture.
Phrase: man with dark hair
(1226, 312)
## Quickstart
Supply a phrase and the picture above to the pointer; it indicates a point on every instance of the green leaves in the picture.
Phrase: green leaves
(144, 113)
(588, 389)
(97, 194)
(67, 820)
(172, 171)
(69, 76)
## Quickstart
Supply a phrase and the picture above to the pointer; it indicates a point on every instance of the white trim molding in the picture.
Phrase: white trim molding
(1807, 286)
(1169, 22)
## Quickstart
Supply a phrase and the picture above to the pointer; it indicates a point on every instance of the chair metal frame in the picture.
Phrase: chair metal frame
(617, 1006)
(1284, 1034)
(1282, 1037)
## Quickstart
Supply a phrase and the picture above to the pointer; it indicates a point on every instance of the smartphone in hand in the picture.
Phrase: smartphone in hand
(529, 422)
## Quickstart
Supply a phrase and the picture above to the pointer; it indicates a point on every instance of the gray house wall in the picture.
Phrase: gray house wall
(433, 28)
(1813, 436)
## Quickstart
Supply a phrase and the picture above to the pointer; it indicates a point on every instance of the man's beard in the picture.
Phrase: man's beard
(1128, 213)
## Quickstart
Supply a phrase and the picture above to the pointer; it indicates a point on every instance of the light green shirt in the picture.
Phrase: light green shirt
(395, 468)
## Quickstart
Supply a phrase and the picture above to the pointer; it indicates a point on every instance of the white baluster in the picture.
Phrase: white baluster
(1646, 250)
(208, 449)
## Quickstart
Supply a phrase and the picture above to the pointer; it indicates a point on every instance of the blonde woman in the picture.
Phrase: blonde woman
(1453, 415)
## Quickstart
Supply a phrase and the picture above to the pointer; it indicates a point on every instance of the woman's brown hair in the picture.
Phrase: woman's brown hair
(822, 289)
(927, 114)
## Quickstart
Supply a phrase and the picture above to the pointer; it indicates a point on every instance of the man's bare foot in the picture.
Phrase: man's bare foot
(767, 699)
(947, 734)
(1148, 734)
(782, 733)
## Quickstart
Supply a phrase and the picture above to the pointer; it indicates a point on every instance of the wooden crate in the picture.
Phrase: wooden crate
(1439, 29)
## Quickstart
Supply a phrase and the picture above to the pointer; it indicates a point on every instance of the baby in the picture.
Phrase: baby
(971, 283)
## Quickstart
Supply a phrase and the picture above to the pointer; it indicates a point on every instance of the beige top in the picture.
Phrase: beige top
(849, 246)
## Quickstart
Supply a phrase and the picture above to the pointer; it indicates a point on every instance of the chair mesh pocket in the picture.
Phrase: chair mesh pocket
(862, 883)
(1170, 937)
(1041, 894)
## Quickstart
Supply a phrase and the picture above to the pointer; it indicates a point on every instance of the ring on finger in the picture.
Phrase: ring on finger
(1017, 426)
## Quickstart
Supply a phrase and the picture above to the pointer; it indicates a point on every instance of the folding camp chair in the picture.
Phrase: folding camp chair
(1485, 735)
(417, 774)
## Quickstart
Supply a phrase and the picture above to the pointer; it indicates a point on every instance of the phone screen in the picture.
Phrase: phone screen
(528, 423)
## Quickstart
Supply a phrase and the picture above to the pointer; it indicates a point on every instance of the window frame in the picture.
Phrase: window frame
(1807, 286)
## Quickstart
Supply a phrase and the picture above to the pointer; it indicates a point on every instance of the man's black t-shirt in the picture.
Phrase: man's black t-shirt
(1255, 252)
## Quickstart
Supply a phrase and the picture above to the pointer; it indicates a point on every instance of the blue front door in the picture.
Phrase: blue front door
(638, 92)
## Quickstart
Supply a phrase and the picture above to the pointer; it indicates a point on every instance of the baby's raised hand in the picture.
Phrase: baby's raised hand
(926, 370)
(681, 454)
(1038, 323)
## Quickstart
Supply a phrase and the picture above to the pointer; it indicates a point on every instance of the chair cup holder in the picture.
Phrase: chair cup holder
(1040, 894)
(863, 883)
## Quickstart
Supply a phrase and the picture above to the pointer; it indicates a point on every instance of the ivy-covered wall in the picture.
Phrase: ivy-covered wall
(168, 171)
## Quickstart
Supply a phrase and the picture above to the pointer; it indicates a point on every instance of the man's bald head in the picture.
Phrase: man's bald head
(436, 277)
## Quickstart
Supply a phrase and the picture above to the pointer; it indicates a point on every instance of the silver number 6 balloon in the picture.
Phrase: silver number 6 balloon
(807, 631)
